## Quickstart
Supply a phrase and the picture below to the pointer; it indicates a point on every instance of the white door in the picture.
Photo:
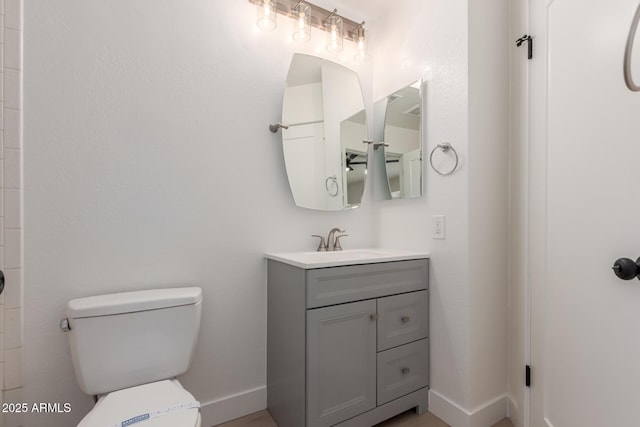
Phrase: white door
(412, 173)
(584, 171)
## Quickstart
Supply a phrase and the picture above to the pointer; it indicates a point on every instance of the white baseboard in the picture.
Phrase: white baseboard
(453, 414)
(234, 406)
(513, 413)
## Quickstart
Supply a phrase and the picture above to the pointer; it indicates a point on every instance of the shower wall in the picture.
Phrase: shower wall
(11, 225)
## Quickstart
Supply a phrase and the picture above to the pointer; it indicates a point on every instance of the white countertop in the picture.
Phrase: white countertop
(309, 260)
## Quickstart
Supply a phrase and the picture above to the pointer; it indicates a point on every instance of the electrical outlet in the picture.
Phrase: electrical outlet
(438, 227)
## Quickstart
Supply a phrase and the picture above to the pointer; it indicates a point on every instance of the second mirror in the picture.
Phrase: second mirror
(402, 135)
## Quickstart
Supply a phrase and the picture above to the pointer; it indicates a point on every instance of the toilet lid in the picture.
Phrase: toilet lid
(159, 404)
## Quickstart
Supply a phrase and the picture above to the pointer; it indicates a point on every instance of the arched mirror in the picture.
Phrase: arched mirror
(402, 135)
(324, 153)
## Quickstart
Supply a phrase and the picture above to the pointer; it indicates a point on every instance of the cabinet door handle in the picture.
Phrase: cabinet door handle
(373, 316)
(405, 319)
(405, 371)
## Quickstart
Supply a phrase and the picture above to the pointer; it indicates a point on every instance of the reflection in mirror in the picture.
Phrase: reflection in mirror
(403, 136)
(324, 109)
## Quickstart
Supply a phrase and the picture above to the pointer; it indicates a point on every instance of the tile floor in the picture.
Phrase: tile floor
(406, 419)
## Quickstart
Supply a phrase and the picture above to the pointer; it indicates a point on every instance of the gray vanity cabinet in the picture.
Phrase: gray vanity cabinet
(347, 345)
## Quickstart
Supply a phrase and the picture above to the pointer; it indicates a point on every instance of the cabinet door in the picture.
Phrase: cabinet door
(341, 362)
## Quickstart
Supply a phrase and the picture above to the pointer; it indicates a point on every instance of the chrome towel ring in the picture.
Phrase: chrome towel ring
(332, 179)
(628, 77)
(445, 147)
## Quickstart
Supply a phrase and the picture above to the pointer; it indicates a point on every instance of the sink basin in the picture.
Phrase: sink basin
(310, 260)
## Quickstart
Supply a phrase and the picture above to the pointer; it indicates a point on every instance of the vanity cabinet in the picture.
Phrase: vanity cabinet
(347, 345)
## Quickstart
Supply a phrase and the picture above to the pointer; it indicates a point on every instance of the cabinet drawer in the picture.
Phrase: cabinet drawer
(402, 370)
(402, 319)
(337, 285)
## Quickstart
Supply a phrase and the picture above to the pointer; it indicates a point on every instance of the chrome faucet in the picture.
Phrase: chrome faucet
(333, 244)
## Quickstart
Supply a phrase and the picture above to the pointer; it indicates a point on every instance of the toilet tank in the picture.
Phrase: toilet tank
(131, 338)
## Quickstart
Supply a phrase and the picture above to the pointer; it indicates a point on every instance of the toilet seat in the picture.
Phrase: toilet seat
(163, 400)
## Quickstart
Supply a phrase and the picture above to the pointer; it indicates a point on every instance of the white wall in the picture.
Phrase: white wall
(148, 163)
(489, 45)
(467, 104)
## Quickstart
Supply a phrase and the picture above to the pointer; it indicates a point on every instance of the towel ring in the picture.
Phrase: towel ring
(445, 146)
(333, 179)
(628, 77)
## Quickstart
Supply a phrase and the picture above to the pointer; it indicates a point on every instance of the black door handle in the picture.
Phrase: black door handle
(626, 269)
(1, 281)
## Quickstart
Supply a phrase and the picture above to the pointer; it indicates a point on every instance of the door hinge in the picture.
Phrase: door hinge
(529, 40)
(527, 376)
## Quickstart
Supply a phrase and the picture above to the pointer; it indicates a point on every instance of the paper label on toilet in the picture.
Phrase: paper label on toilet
(158, 413)
(135, 420)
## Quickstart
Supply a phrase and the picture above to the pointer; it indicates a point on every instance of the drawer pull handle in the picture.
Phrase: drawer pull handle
(373, 316)
(405, 371)
(405, 319)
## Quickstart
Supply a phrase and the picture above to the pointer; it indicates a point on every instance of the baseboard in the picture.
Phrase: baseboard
(234, 406)
(513, 412)
(453, 414)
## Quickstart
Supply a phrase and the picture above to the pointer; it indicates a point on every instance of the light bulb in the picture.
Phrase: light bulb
(302, 25)
(333, 26)
(267, 15)
(361, 54)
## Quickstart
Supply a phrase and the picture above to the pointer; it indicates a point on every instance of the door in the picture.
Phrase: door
(584, 166)
(412, 173)
(304, 152)
(341, 362)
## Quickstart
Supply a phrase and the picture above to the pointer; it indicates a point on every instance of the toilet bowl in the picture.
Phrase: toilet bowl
(127, 349)
(159, 404)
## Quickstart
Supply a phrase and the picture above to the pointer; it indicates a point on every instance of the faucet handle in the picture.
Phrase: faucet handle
(337, 246)
(322, 247)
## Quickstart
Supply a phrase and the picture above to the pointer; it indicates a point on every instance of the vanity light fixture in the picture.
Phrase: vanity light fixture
(305, 15)
(301, 22)
(267, 14)
(334, 28)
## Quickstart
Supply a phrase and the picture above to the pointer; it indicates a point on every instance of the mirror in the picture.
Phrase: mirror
(324, 154)
(402, 135)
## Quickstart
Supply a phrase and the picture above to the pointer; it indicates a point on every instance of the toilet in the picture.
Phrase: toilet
(127, 348)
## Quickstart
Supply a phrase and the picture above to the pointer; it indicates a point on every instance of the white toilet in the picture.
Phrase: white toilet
(127, 349)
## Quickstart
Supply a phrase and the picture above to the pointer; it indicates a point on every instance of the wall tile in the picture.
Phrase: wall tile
(2, 105)
(1, 143)
(12, 208)
(14, 419)
(2, 351)
(11, 169)
(13, 14)
(13, 248)
(13, 375)
(12, 126)
(12, 328)
(1, 231)
(13, 289)
(12, 89)
(12, 49)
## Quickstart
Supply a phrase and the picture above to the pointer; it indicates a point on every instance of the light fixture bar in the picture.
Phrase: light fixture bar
(318, 16)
